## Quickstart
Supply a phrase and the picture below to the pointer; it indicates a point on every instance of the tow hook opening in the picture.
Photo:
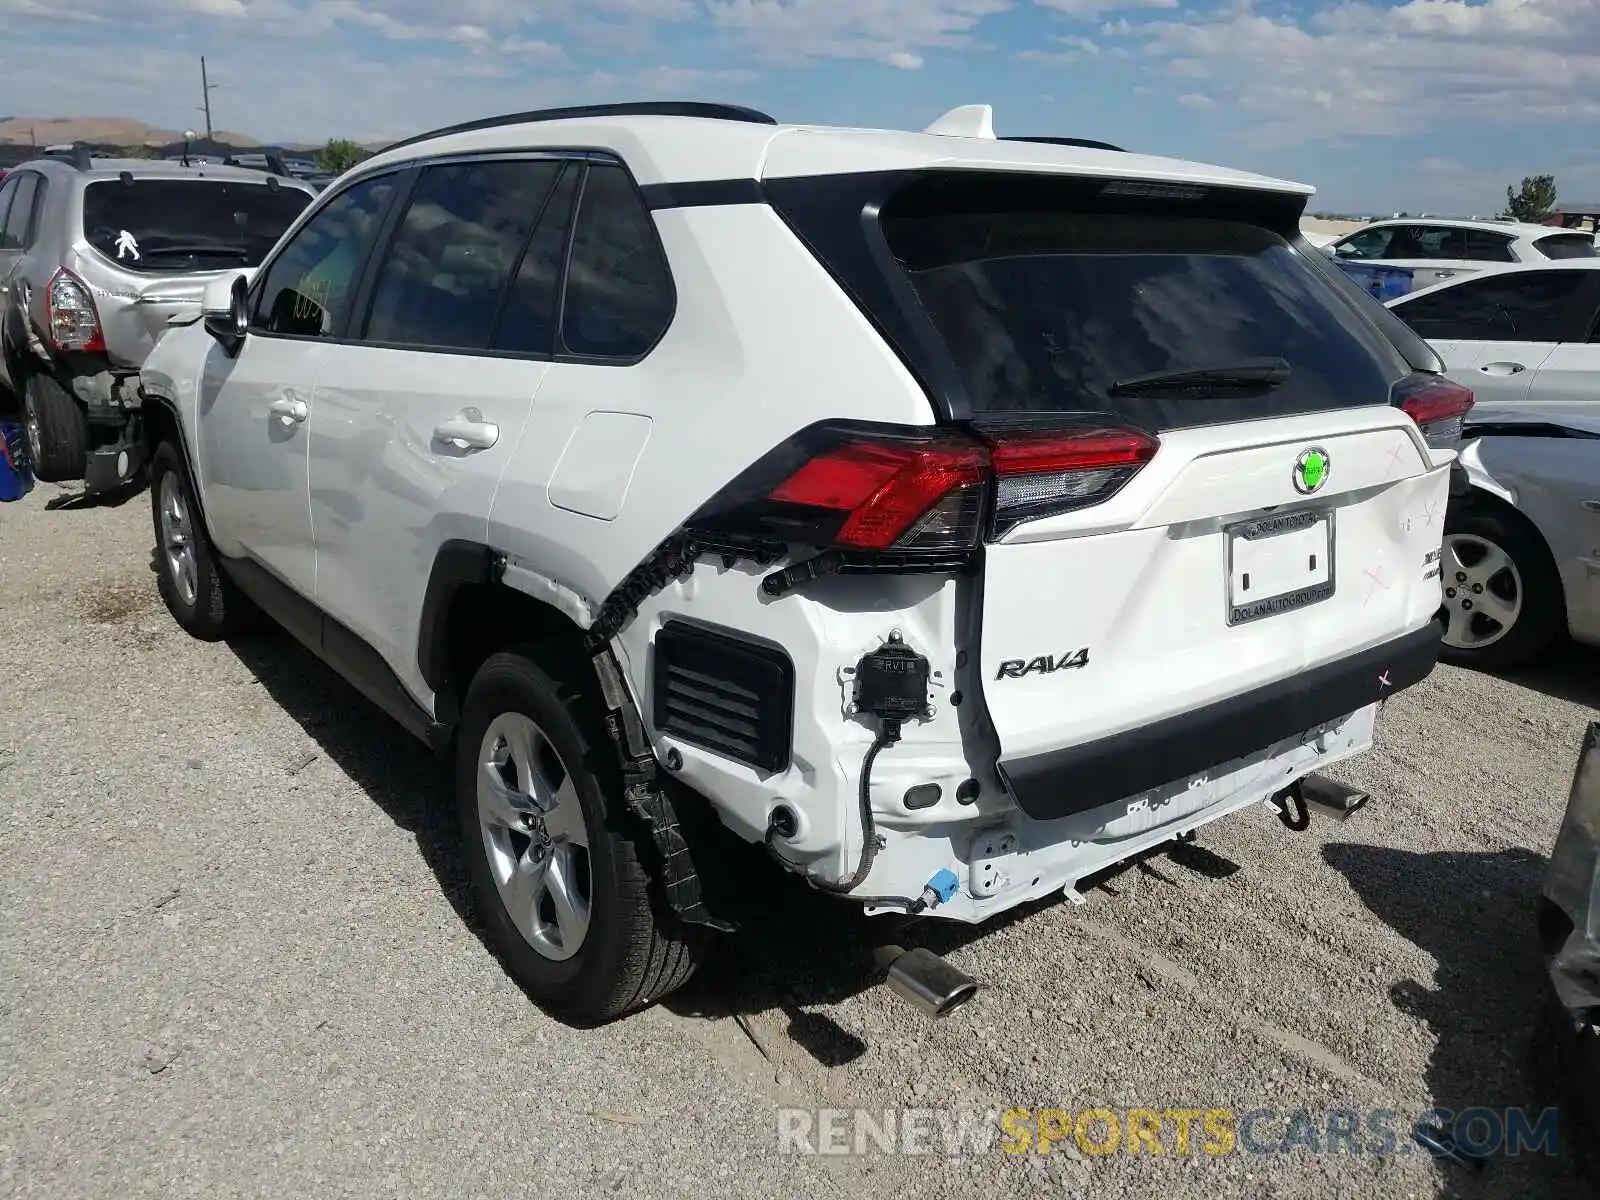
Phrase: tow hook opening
(1327, 796)
(925, 980)
(1291, 806)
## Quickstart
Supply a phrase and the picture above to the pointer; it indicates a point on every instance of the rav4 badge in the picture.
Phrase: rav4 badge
(1311, 470)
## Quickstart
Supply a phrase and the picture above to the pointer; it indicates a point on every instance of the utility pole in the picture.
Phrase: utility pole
(206, 88)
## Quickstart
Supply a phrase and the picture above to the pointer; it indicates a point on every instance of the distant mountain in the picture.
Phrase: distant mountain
(115, 131)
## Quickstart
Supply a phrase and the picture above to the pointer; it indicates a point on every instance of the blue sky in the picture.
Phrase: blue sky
(1423, 104)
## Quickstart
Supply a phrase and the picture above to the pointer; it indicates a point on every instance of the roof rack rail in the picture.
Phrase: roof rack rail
(1086, 143)
(643, 108)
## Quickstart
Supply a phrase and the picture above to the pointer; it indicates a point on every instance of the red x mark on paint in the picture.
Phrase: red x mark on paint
(1375, 574)
(1431, 513)
(1395, 456)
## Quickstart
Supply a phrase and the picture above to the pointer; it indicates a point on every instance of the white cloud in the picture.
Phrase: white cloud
(796, 30)
(1196, 100)
(904, 60)
(1073, 49)
(1355, 68)
(1093, 8)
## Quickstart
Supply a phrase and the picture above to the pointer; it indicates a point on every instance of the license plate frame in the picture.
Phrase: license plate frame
(1262, 529)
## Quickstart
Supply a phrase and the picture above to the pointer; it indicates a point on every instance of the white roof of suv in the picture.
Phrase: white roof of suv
(1515, 228)
(726, 143)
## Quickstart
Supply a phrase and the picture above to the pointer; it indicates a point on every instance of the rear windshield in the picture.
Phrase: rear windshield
(1048, 311)
(187, 224)
(1567, 245)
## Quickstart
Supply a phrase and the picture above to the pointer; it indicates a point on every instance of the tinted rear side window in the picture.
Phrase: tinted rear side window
(20, 216)
(528, 324)
(619, 296)
(187, 224)
(1566, 245)
(1046, 311)
(1525, 306)
(446, 270)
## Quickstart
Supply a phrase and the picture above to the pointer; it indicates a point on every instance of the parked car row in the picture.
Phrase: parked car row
(1438, 250)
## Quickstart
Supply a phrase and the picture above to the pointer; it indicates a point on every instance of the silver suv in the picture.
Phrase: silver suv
(96, 256)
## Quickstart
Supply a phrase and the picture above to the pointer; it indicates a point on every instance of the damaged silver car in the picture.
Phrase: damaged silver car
(97, 255)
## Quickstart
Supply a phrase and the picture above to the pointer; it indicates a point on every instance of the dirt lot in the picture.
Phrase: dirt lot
(240, 959)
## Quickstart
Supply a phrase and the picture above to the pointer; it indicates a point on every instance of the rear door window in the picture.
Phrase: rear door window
(1566, 245)
(1479, 245)
(1524, 306)
(187, 224)
(14, 236)
(1061, 311)
(528, 321)
(457, 246)
(7, 191)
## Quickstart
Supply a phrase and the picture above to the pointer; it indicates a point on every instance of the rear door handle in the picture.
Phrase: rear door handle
(1503, 368)
(468, 431)
(292, 410)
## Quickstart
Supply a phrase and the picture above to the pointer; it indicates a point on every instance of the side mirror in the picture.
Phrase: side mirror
(226, 310)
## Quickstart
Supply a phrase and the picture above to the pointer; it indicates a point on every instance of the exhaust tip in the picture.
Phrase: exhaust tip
(926, 981)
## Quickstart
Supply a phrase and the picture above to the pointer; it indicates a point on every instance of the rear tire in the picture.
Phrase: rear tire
(56, 429)
(562, 888)
(1517, 610)
(191, 585)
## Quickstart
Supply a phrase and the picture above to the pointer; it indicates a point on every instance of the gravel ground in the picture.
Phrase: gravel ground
(240, 956)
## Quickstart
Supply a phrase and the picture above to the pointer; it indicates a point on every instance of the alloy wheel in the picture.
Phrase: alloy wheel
(1482, 591)
(177, 540)
(534, 835)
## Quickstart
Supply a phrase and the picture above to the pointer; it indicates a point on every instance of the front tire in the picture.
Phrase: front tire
(57, 430)
(191, 586)
(1502, 591)
(555, 859)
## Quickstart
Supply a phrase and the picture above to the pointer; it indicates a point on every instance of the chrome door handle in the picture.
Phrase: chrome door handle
(1444, 274)
(291, 410)
(1503, 368)
(468, 431)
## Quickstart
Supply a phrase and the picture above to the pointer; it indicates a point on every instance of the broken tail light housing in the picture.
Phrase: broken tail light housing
(70, 314)
(888, 497)
(1439, 407)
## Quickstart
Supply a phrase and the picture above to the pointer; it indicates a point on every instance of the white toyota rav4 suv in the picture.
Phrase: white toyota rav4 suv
(957, 516)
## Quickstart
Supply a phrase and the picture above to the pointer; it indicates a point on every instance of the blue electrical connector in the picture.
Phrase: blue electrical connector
(942, 887)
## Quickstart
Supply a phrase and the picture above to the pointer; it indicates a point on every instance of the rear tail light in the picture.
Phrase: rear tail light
(70, 314)
(887, 497)
(1438, 406)
(1038, 474)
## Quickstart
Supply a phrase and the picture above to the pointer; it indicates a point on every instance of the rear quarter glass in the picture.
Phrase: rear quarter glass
(1033, 295)
(174, 225)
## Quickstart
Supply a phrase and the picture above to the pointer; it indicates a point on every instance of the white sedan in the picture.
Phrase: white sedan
(1516, 333)
(1437, 250)
(1522, 547)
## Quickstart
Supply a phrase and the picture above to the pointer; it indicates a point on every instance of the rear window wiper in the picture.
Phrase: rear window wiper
(187, 248)
(1253, 373)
